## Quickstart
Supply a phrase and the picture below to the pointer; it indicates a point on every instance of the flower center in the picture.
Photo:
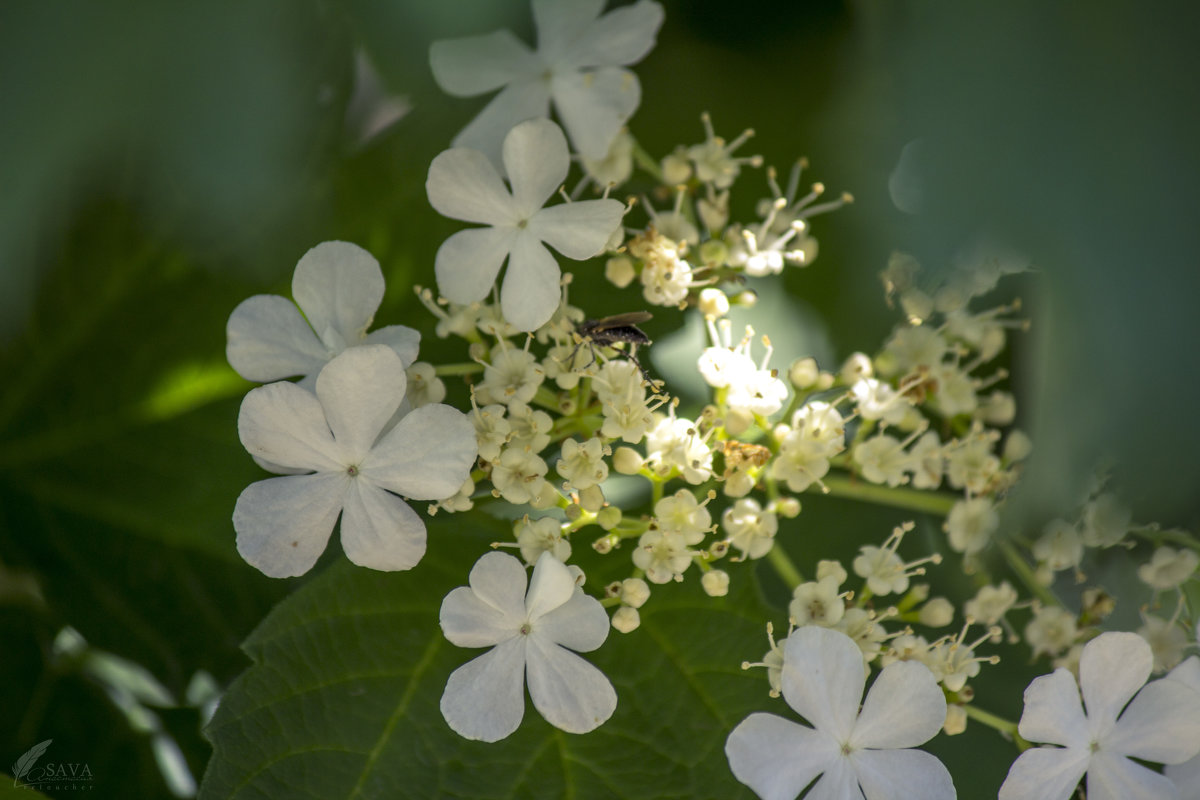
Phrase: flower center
(352, 470)
(525, 629)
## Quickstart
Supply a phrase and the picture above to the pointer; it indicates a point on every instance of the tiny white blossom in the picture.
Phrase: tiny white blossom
(1125, 718)
(847, 751)
(817, 603)
(1051, 631)
(991, 603)
(338, 287)
(512, 375)
(463, 184)
(582, 465)
(1169, 568)
(751, 529)
(1167, 641)
(577, 65)
(1060, 546)
(519, 475)
(532, 635)
(337, 436)
(538, 536)
(970, 524)
(1105, 521)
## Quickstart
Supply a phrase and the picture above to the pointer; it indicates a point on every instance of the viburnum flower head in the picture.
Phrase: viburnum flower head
(464, 185)
(353, 466)
(338, 287)
(853, 753)
(1125, 719)
(531, 635)
(577, 65)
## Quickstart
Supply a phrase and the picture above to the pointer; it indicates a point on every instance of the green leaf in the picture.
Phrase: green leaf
(342, 698)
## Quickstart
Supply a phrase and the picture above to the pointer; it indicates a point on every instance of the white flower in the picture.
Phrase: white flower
(531, 635)
(338, 287)
(855, 754)
(1186, 776)
(750, 529)
(817, 602)
(1161, 724)
(577, 65)
(335, 436)
(1168, 568)
(970, 524)
(464, 185)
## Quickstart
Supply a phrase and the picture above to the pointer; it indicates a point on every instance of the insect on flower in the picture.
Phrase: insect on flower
(610, 332)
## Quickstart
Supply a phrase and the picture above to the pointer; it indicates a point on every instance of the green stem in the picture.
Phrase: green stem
(1026, 575)
(646, 161)
(462, 368)
(927, 502)
(1006, 727)
(784, 567)
(1157, 536)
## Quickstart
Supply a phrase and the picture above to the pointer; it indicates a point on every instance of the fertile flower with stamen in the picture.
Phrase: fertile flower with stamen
(884, 571)
(817, 603)
(751, 529)
(714, 158)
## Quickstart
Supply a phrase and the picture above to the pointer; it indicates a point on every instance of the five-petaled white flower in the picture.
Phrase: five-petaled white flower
(1161, 724)
(577, 65)
(485, 698)
(338, 286)
(855, 754)
(1186, 776)
(337, 435)
(464, 185)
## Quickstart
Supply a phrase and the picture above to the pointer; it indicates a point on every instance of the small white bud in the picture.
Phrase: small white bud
(676, 169)
(619, 271)
(713, 302)
(634, 592)
(627, 461)
(626, 619)
(803, 372)
(715, 583)
(937, 613)
(1017, 446)
(857, 367)
(956, 720)
(592, 499)
(608, 517)
(787, 507)
(916, 304)
(738, 421)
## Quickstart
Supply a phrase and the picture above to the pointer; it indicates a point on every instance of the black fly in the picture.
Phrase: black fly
(611, 331)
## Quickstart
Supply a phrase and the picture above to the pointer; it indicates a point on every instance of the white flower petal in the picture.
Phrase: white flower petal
(902, 774)
(476, 64)
(283, 524)
(1187, 673)
(551, 585)
(426, 456)
(1186, 777)
(468, 262)
(775, 757)
(905, 707)
(519, 101)
(838, 783)
(569, 692)
(561, 23)
(484, 698)
(499, 580)
(580, 624)
(285, 425)
(594, 105)
(468, 621)
(823, 678)
(267, 339)
(1045, 773)
(622, 36)
(379, 530)
(530, 292)
(1111, 777)
(404, 340)
(1053, 712)
(536, 161)
(1161, 724)
(463, 184)
(1112, 668)
(359, 391)
(578, 230)
(338, 286)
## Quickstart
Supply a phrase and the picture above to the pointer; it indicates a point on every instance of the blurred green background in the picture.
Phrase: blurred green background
(161, 162)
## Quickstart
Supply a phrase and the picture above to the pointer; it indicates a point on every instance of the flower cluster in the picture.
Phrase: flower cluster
(559, 418)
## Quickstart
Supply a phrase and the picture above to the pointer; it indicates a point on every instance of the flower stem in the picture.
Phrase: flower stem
(784, 567)
(1026, 575)
(462, 368)
(1006, 727)
(928, 502)
(646, 161)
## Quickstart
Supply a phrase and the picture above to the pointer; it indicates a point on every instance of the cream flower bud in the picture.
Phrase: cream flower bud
(715, 583)
(937, 613)
(592, 499)
(827, 568)
(608, 517)
(634, 592)
(855, 368)
(1017, 446)
(803, 372)
(738, 421)
(676, 168)
(713, 302)
(619, 271)
(956, 720)
(627, 461)
(626, 619)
